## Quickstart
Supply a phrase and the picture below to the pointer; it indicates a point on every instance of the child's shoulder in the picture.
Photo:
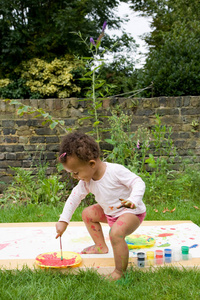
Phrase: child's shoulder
(115, 166)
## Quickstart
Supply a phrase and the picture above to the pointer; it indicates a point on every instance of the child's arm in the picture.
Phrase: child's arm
(78, 193)
(60, 228)
(134, 183)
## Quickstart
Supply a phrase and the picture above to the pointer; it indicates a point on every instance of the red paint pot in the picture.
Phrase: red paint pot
(159, 257)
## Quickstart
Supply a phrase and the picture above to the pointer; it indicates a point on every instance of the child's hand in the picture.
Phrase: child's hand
(60, 228)
(126, 203)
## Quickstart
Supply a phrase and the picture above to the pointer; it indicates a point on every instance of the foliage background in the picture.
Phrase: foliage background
(44, 30)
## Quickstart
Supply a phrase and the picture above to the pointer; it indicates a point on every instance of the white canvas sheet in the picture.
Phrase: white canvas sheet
(28, 242)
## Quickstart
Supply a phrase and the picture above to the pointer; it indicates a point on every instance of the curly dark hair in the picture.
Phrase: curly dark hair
(80, 144)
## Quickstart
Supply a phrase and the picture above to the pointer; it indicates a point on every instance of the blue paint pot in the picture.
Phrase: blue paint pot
(168, 255)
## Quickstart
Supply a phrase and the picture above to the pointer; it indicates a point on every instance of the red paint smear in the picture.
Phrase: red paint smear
(120, 223)
(173, 228)
(93, 227)
(88, 220)
(192, 238)
(54, 261)
(163, 228)
(2, 246)
(165, 234)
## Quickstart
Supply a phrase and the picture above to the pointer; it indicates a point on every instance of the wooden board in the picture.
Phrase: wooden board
(102, 264)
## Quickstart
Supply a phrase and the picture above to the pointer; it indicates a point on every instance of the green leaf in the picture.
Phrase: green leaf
(53, 125)
(110, 141)
(85, 79)
(20, 112)
(98, 85)
(151, 161)
(88, 73)
(85, 118)
(45, 115)
(95, 124)
(62, 122)
(15, 102)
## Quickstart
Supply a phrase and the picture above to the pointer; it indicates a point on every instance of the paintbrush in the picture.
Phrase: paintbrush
(61, 256)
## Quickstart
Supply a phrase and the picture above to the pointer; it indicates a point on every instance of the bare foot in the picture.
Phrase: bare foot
(115, 275)
(95, 250)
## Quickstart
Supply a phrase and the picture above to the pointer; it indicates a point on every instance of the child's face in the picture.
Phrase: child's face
(80, 170)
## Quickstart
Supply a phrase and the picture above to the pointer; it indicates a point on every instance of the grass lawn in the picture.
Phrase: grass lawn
(157, 283)
(185, 210)
(162, 283)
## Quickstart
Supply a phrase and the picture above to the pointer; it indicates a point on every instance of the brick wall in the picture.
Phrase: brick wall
(24, 141)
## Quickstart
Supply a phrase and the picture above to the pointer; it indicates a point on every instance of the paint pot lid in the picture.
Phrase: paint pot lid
(150, 255)
(159, 253)
(141, 255)
(185, 249)
(168, 252)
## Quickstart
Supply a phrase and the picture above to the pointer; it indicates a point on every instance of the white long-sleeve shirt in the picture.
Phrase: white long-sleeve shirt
(117, 182)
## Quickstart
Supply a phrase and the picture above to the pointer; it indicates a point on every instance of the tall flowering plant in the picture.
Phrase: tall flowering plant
(99, 89)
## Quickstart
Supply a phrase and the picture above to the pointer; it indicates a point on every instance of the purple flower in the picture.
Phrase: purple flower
(92, 41)
(104, 26)
(138, 144)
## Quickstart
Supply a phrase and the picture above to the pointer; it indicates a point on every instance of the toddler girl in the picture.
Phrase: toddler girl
(118, 193)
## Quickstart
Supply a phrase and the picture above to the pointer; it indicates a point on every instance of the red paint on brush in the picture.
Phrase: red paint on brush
(54, 261)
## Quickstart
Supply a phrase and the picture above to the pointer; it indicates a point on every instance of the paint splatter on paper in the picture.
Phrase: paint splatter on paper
(29, 242)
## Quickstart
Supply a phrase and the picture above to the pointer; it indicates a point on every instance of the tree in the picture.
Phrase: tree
(44, 28)
(174, 66)
(164, 14)
(173, 60)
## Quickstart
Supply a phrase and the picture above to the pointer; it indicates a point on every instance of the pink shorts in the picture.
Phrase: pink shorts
(111, 220)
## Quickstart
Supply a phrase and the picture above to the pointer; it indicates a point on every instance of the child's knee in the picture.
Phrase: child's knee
(115, 235)
(85, 213)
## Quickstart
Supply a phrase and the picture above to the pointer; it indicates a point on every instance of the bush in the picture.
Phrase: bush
(37, 188)
(38, 79)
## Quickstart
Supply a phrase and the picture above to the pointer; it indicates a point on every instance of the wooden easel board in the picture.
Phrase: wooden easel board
(20, 243)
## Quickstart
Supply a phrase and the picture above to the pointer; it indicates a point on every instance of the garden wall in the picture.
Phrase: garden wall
(24, 141)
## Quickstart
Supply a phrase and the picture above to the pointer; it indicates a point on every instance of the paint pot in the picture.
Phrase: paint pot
(185, 252)
(159, 257)
(168, 255)
(141, 259)
(150, 258)
(176, 254)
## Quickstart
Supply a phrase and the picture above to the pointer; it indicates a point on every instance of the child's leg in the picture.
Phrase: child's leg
(125, 225)
(92, 216)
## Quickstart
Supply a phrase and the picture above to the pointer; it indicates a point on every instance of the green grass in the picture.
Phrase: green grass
(13, 213)
(16, 213)
(185, 210)
(162, 283)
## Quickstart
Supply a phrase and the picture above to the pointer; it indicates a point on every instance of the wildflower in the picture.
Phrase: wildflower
(102, 33)
(138, 144)
(104, 26)
(92, 41)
